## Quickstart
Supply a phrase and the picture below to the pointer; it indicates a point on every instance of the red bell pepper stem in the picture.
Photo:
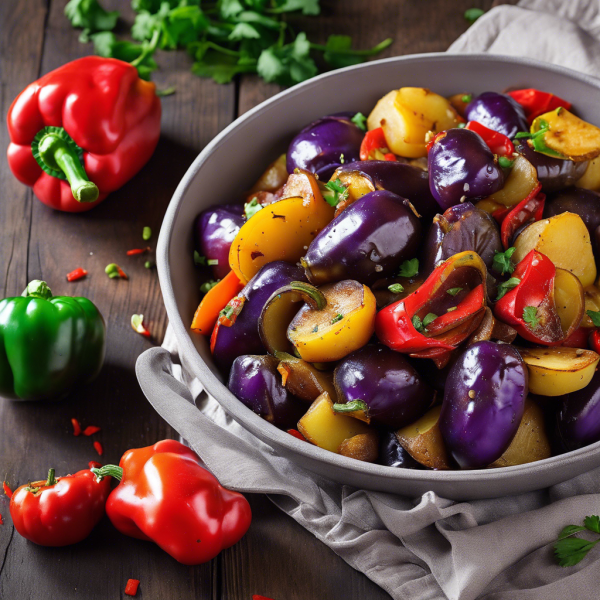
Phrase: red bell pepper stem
(58, 155)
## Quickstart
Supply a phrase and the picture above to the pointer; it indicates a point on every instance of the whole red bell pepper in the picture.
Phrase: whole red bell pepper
(445, 310)
(61, 510)
(536, 103)
(374, 146)
(167, 497)
(497, 142)
(82, 131)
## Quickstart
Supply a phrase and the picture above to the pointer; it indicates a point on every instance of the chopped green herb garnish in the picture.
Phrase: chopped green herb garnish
(212, 262)
(199, 261)
(227, 312)
(594, 315)
(428, 319)
(571, 550)
(467, 98)
(530, 316)
(335, 192)
(506, 286)
(396, 288)
(337, 318)
(417, 323)
(502, 262)
(472, 14)
(315, 329)
(208, 285)
(146, 233)
(454, 291)
(409, 268)
(149, 264)
(451, 309)
(166, 92)
(360, 121)
(461, 125)
(505, 162)
(252, 207)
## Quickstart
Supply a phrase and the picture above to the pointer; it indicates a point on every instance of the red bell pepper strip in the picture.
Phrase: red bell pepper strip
(76, 427)
(61, 510)
(7, 489)
(91, 430)
(82, 131)
(530, 209)
(594, 340)
(374, 146)
(497, 142)
(132, 587)
(536, 103)
(98, 447)
(529, 306)
(432, 320)
(136, 251)
(77, 274)
(166, 496)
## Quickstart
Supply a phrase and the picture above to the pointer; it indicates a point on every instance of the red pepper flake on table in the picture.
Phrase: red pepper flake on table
(135, 251)
(76, 274)
(76, 427)
(6, 489)
(91, 430)
(132, 587)
(98, 447)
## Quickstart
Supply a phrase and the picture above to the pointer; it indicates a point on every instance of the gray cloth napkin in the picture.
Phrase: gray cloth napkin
(426, 548)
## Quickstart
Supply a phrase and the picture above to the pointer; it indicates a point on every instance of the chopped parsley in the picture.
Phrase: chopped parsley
(417, 323)
(506, 286)
(252, 207)
(594, 315)
(505, 162)
(396, 288)
(571, 550)
(199, 261)
(360, 121)
(454, 291)
(467, 98)
(502, 261)
(208, 285)
(409, 268)
(337, 318)
(428, 319)
(335, 192)
(530, 316)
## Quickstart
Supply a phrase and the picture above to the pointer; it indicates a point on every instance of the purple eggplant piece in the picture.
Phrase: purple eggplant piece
(257, 384)
(389, 385)
(579, 416)
(214, 230)
(483, 403)
(401, 179)
(367, 241)
(392, 454)
(554, 174)
(242, 337)
(462, 227)
(325, 145)
(498, 112)
(462, 167)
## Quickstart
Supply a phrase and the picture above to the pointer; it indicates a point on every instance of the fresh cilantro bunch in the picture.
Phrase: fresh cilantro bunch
(225, 38)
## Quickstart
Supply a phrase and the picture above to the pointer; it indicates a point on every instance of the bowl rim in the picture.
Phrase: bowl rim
(253, 422)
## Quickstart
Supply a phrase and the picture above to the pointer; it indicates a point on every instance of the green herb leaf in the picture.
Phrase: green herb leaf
(396, 288)
(569, 530)
(502, 262)
(417, 323)
(90, 16)
(252, 208)
(506, 286)
(308, 7)
(227, 312)
(166, 92)
(592, 523)
(572, 550)
(451, 309)
(428, 319)
(288, 64)
(467, 98)
(594, 315)
(530, 316)
(335, 192)
(107, 45)
(360, 121)
(337, 318)
(472, 14)
(199, 261)
(338, 51)
(505, 162)
(208, 285)
(454, 291)
(409, 268)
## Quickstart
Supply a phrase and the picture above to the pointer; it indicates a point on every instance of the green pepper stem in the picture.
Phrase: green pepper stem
(56, 153)
(108, 471)
(51, 479)
(353, 406)
(37, 289)
(312, 295)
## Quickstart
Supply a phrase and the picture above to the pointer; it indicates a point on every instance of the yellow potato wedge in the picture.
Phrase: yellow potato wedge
(531, 440)
(565, 240)
(558, 370)
(423, 441)
(521, 181)
(282, 230)
(364, 446)
(322, 427)
(591, 177)
(591, 295)
(569, 300)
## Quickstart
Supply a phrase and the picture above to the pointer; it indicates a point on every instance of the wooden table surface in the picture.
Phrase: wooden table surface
(277, 558)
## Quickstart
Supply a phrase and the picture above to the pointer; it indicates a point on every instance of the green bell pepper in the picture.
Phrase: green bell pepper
(48, 345)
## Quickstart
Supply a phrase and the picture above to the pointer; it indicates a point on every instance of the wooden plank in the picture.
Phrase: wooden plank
(34, 437)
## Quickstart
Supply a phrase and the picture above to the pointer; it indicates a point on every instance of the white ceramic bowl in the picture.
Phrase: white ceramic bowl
(237, 156)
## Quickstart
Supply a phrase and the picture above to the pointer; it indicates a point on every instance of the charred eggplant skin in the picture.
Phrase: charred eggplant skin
(395, 393)
(256, 382)
(325, 145)
(462, 167)
(242, 337)
(498, 112)
(484, 400)
(366, 242)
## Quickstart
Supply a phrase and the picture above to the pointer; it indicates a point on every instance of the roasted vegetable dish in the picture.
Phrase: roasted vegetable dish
(418, 287)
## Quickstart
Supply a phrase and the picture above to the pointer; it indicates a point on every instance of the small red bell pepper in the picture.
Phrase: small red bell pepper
(529, 306)
(497, 142)
(443, 312)
(167, 497)
(536, 103)
(530, 209)
(61, 510)
(82, 131)
(374, 146)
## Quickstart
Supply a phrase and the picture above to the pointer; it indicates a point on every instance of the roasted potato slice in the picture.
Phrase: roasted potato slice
(423, 441)
(522, 181)
(591, 177)
(364, 446)
(303, 380)
(558, 370)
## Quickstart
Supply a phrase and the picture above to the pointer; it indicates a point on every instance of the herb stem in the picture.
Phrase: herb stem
(369, 52)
